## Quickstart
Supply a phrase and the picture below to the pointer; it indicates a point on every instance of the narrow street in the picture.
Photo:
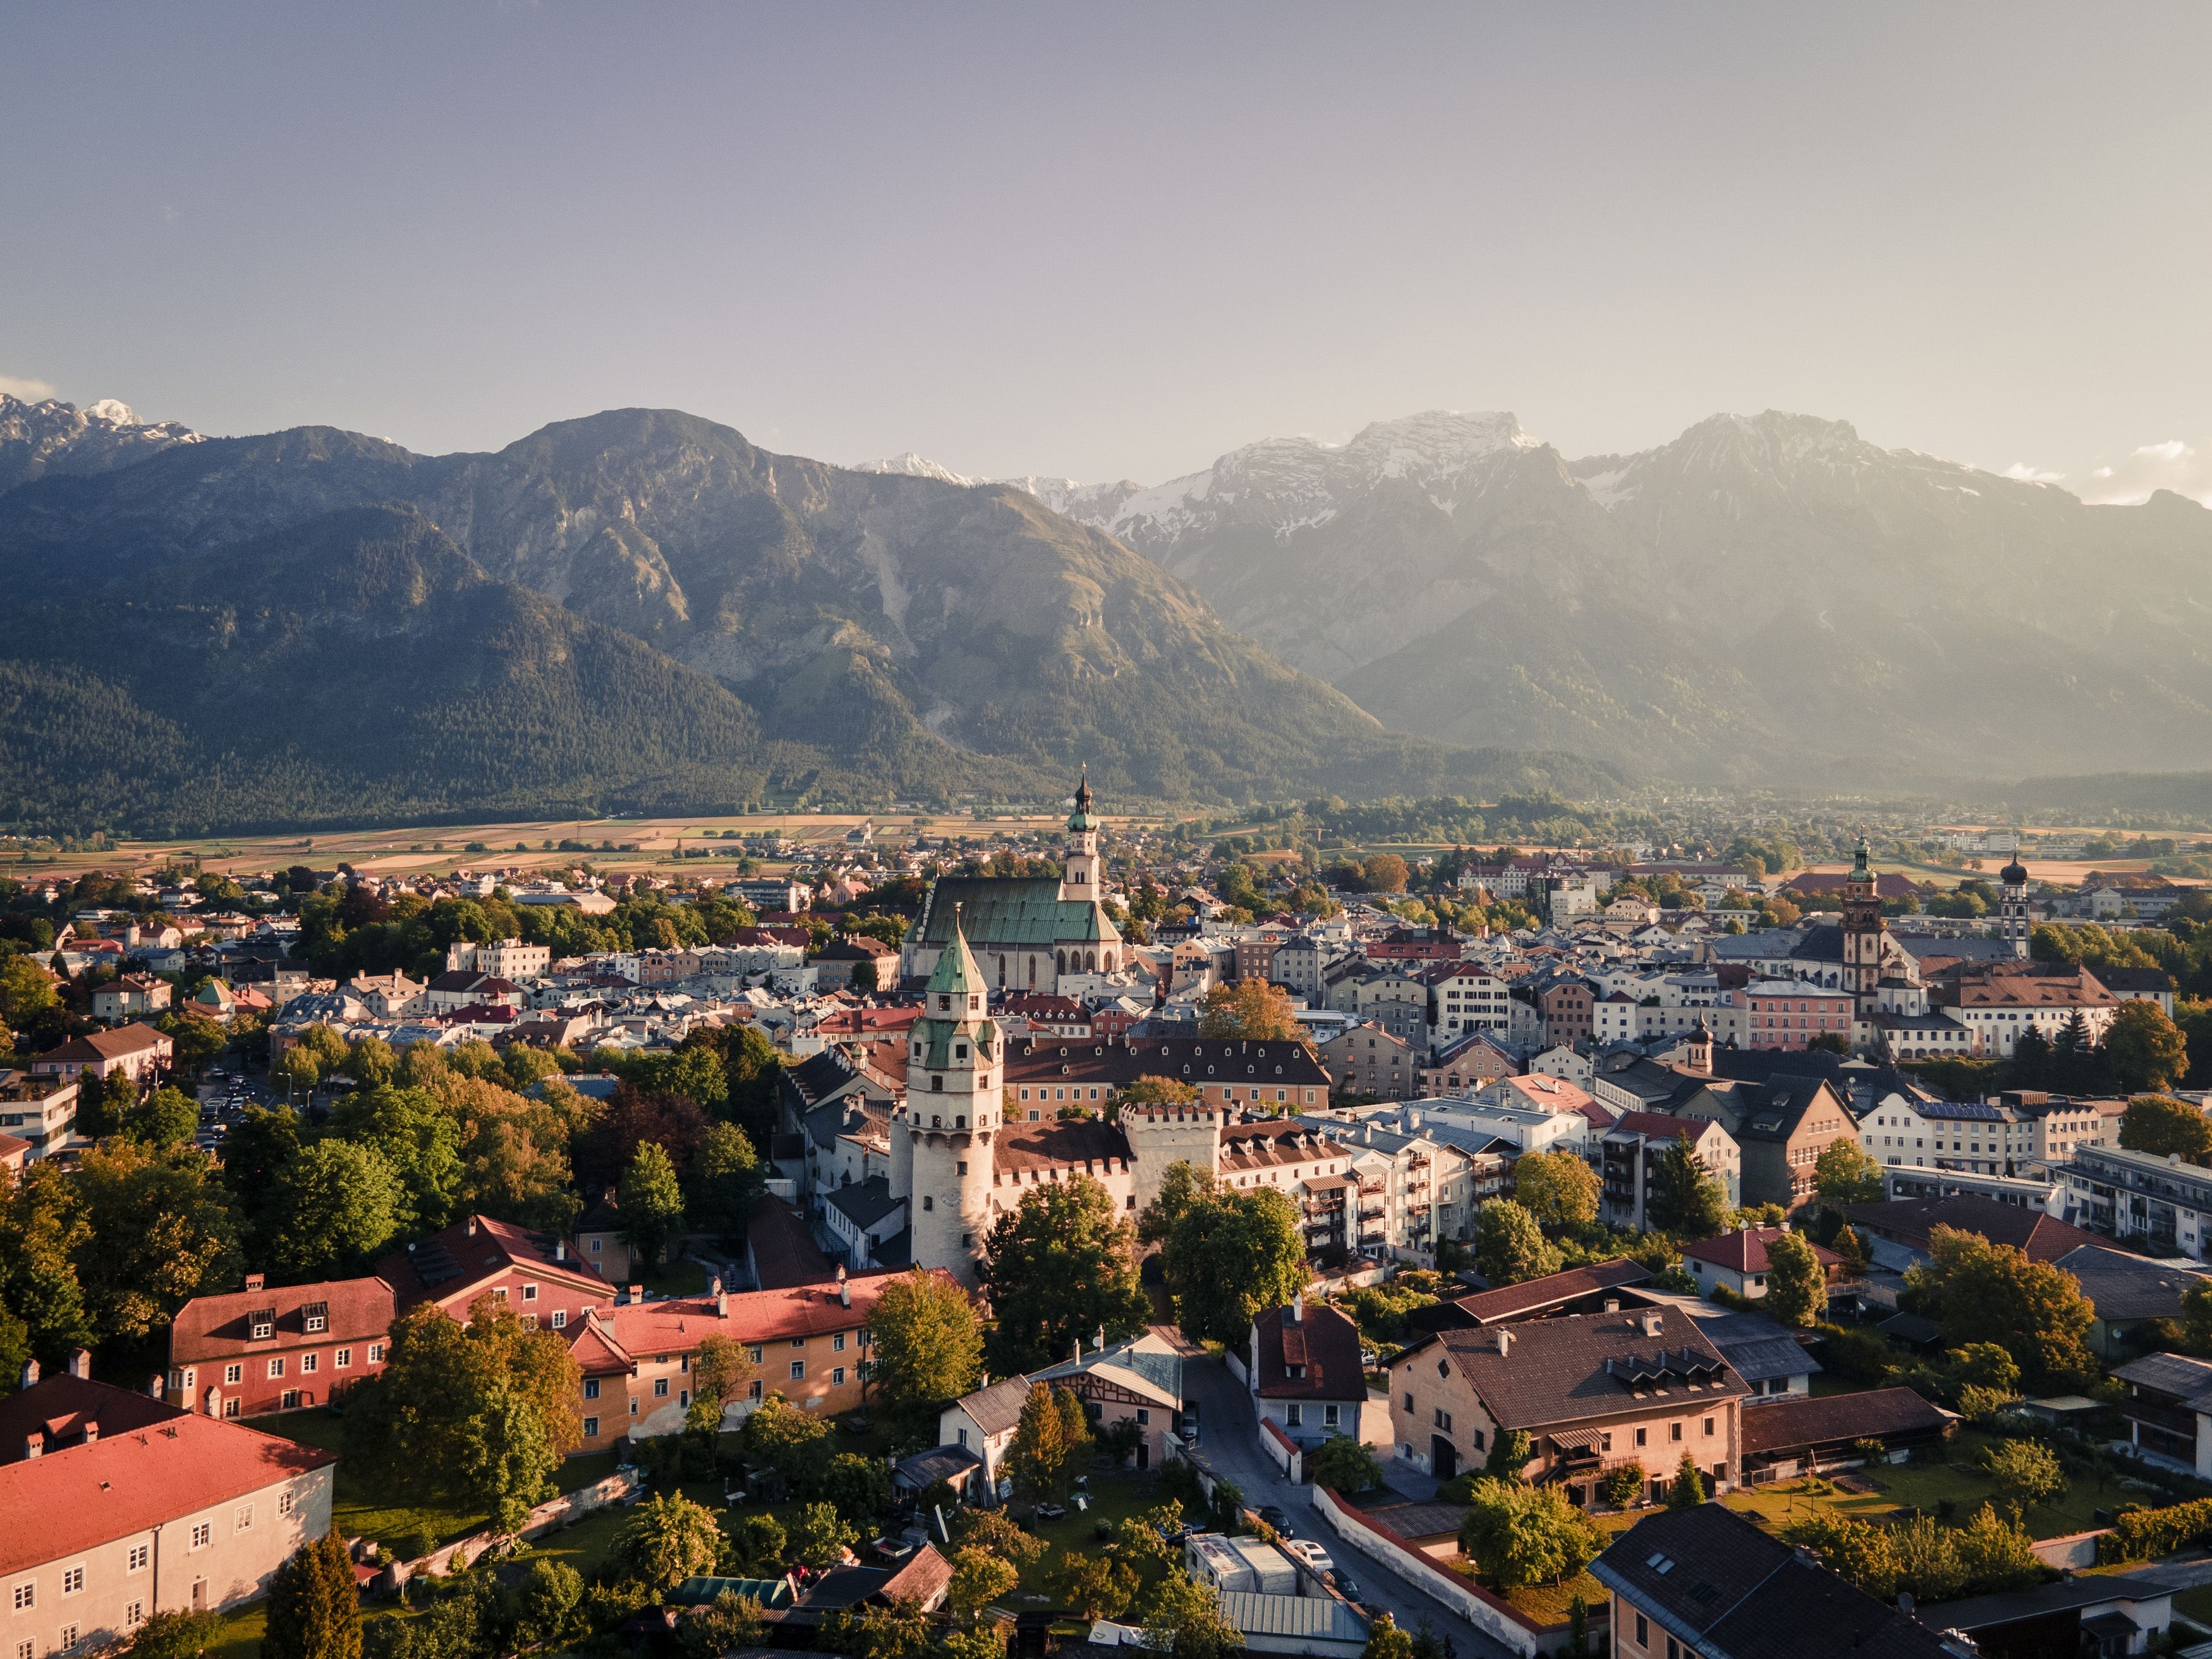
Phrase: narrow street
(1228, 1439)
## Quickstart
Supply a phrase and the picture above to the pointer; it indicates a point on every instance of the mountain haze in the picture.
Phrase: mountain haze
(1765, 598)
(798, 626)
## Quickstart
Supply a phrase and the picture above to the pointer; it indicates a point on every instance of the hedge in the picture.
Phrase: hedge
(2147, 1534)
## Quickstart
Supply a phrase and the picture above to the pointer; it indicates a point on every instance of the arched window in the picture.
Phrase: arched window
(1091, 958)
(1032, 973)
(1060, 960)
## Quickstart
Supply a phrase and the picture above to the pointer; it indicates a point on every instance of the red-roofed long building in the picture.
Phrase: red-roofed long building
(114, 1506)
(258, 1351)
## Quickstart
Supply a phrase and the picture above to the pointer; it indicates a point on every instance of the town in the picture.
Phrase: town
(1114, 1233)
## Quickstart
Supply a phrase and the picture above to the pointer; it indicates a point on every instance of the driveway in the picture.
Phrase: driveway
(1228, 1440)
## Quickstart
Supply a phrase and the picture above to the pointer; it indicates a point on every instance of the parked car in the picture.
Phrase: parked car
(1346, 1588)
(1281, 1522)
(1311, 1554)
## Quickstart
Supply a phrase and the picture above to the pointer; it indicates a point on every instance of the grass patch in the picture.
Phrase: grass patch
(356, 1513)
(1549, 1604)
(238, 1633)
(1113, 1497)
(1958, 1482)
(682, 1277)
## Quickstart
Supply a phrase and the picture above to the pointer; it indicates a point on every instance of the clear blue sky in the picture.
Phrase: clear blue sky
(1115, 239)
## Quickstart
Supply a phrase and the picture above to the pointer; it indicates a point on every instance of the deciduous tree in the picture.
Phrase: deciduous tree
(669, 1539)
(2162, 1127)
(1182, 1184)
(1985, 1292)
(1249, 1008)
(1509, 1246)
(925, 1346)
(2143, 1049)
(332, 1207)
(649, 1202)
(1346, 1465)
(721, 1371)
(1060, 1266)
(1796, 1283)
(1519, 1534)
(1845, 1174)
(1230, 1259)
(1686, 1199)
(1558, 1189)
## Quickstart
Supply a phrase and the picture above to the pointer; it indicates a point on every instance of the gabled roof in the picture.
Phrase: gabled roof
(473, 1249)
(1783, 1425)
(2186, 1379)
(1019, 912)
(69, 1501)
(64, 1405)
(1320, 1342)
(1731, 1590)
(1565, 1371)
(210, 1327)
(1744, 1251)
(120, 1043)
(1511, 1301)
(997, 1407)
(1909, 1221)
(2123, 1286)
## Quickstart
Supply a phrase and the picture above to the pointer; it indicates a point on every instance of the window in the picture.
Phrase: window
(136, 1560)
(134, 1615)
(1409, 1402)
(837, 1343)
(1642, 1632)
(1639, 1436)
(230, 1406)
(661, 1387)
(837, 1376)
(1294, 1414)
(560, 1319)
(530, 1293)
(25, 1649)
(754, 1353)
(591, 1387)
(289, 1401)
(241, 1519)
(798, 1341)
(376, 1353)
(26, 1595)
(234, 1373)
(67, 1637)
(309, 1361)
(283, 1503)
(1709, 1427)
(1443, 1420)
(342, 1360)
(798, 1369)
(595, 1246)
(73, 1581)
(203, 1534)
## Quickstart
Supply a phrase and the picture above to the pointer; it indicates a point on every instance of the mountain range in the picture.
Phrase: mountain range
(1766, 599)
(639, 611)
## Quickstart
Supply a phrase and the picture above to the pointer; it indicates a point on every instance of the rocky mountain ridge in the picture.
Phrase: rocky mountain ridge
(53, 436)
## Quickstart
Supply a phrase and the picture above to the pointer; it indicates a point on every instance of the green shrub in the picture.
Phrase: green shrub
(2146, 1534)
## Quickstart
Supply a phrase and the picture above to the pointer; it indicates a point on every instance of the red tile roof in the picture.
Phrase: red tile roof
(215, 1326)
(117, 1045)
(1487, 1307)
(473, 1249)
(680, 1324)
(62, 1404)
(783, 1252)
(1323, 1342)
(1744, 1251)
(1664, 1126)
(60, 1506)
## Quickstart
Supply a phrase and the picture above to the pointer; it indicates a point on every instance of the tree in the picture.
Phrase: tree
(2143, 1049)
(1845, 1174)
(158, 1234)
(476, 1416)
(333, 1204)
(1558, 1189)
(299, 1069)
(1092, 1586)
(755, 1549)
(786, 1440)
(26, 993)
(1386, 1641)
(1384, 873)
(314, 1605)
(733, 1621)
(820, 1537)
(1510, 1452)
(721, 1372)
(1044, 1457)
(1687, 1490)
(1519, 1534)
(175, 1634)
(1509, 1246)
(2196, 1318)
(1060, 1265)
(1686, 1198)
(2162, 1127)
(1852, 1248)
(2026, 1469)
(860, 1488)
(551, 1597)
(1796, 1283)
(1182, 1185)
(166, 1117)
(1344, 1464)
(979, 1578)
(1983, 1293)
(1249, 1008)
(723, 1183)
(925, 1346)
(669, 1539)
(42, 1228)
(1230, 1259)
(419, 1139)
(1185, 1621)
(1622, 1485)
(650, 1201)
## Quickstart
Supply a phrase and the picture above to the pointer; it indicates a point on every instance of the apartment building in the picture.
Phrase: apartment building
(1634, 1148)
(39, 1111)
(115, 1505)
(256, 1352)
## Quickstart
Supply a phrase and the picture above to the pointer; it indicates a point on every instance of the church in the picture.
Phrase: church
(1028, 932)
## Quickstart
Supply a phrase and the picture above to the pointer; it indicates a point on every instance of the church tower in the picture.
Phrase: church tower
(1081, 881)
(955, 1073)
(2012, 908)
(1862, 931)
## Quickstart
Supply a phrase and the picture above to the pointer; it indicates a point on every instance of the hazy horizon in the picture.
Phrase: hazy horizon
(1109, 245)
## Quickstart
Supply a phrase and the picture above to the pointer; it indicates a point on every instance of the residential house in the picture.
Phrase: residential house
(531, 1272)
(2168, 1409)
(40, 1112)
(1366, 1059)
(139, 1051)
(2133, 1295)
(1631, 1154)
(257, 1351)
(2100, 1614)
(1567, 1013)
(1998, 1005)
(1706, 1582)
(1897, 1231)
(1781, 1013)
(1465, 997)
(1781, 1126)
(1260, 1075)
(129, 997)
(1598, 1288)
(981, 1424)
(1138, 1381)
(1303, 1367)
(115, 1506)
(1737, 1262)
(2163, 1201)
(600, 1244)
(1594, 1393)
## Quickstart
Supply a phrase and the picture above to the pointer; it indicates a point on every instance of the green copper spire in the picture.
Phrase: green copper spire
(957, 973)
(1080, 820)
(1860, 869)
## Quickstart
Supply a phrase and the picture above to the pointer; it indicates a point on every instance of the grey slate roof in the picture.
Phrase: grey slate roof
(2124, 1286)
(2187, 1380)
(1579, 1368)
(1978, 1612)
(866, 1202)
(1758, 1348)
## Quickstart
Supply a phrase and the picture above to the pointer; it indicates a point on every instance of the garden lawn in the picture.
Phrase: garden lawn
(1113, 1497)
(355, 1513)
(683, 1277)
(1957, 1482)
(1549, 1604)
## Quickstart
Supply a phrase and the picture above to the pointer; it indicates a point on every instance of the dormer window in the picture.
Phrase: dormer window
(945, 1002)
(262, 1322)
(315, 1316)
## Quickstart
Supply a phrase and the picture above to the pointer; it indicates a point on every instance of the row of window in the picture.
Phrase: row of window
(234, 1373)
(25, 1595)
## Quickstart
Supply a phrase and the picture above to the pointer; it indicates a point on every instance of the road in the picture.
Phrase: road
(1228, 1440)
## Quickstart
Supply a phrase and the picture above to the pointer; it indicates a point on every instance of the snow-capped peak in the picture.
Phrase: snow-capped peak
(111, 411)
(912, 465)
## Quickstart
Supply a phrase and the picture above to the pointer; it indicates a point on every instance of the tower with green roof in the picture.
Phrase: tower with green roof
(942, 1134)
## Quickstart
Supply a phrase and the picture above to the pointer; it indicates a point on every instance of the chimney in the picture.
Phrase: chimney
(1098, 1343)
(986, 1382)
(1076, 1352)
(213, 1401)
(1504, 1341)
(560, 1249)
(721, 1301)
(1654, 1323)
(80, 1364)
(255, 1281)
(155, 1387)
(472, 1226)
(844, 1289)
(1298, 1307)
(35, 1443)
(30, 1372)
(1612, 1305)
(91, 1431)
(636, 1294)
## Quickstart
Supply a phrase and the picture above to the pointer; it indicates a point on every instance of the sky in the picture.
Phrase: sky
(1108, 241)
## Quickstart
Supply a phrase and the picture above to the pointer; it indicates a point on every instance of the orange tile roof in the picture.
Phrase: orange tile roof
(65, 1502)
(214, 1327)
(471, 1250)
(680, 1324)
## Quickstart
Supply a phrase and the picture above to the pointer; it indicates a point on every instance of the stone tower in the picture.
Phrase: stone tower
(2012, 908)
(1081, 879)
(1862, 931)
(1161, 1135)
(955, 1061)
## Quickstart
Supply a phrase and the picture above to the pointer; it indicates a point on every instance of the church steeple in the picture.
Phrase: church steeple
(1081, 880)
(1862, 929)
